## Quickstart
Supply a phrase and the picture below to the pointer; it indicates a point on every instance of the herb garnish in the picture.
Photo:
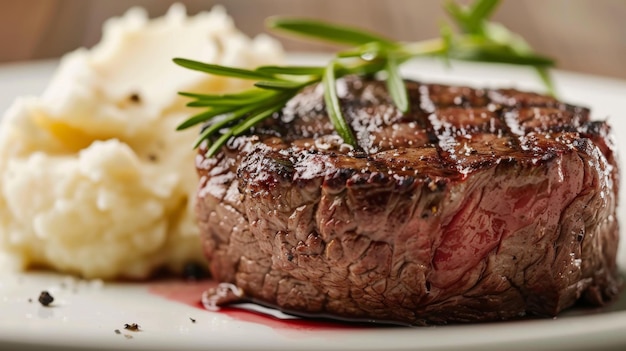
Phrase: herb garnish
(230, 115)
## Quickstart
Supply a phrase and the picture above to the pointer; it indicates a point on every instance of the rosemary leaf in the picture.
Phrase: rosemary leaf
(221, 102)
(253, 119)
(254, 116)
(235, 115)
(292, 70)
(203, 117)
(222, 123)
(214, 148)
(496, 54)
(544, 74)
(204, 135)
(195, 95)
(327, 31)
(478, 12)
(223, 70)
(395, 85)
(210, 103)
(231, 100)
(458, 14)
(280, 85)
(244, 95)
(332, 105)
(366, 69)
(471, 19)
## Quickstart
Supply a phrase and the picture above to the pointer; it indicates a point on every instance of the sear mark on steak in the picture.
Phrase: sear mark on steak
(477, 205)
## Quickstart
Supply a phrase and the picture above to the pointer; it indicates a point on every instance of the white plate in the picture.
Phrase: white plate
(86, 314)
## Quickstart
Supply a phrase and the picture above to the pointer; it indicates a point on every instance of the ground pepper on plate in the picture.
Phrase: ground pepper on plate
(132, 327)
(45, 299)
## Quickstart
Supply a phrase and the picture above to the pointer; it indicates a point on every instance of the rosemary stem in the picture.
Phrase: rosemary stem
(426, 47)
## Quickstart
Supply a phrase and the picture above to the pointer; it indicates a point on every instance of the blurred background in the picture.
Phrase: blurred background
(583, 35)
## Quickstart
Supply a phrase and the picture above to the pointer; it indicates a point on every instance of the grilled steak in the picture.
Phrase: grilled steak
(477, 205)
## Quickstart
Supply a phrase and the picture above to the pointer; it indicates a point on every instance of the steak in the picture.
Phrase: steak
(477, 205)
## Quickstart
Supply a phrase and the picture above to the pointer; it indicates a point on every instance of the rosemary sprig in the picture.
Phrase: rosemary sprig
(230, 115)
(332, 105)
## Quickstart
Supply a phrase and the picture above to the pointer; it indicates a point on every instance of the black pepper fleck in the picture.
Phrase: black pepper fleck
(45, 298)
(192, 320)
(132, 327)
(134, 97)
(30, 300)
(117, 331)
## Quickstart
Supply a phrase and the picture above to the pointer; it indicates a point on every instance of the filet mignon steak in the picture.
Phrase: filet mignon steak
(477, 205)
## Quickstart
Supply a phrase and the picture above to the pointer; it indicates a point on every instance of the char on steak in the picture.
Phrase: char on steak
(477, 205)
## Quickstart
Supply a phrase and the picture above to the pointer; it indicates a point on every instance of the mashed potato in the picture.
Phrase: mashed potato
(95, 180)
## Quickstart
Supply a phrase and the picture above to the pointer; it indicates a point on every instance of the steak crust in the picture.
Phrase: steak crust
(477, 205)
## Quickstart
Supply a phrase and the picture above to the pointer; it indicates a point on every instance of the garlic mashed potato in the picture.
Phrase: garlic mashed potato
(94, 178)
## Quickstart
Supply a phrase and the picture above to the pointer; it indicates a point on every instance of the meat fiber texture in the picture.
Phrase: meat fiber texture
(477, 205)
(94, 179)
